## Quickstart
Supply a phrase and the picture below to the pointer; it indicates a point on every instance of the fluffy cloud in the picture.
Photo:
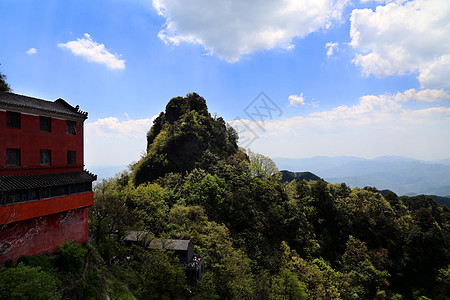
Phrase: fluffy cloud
(331, 47)
(371, 112)
(234, 28)
(94, 52)
(31, 51)
(428, 95)
(296, 100)
(374, 126)
(110, 141)
(404, 37)
(113, 127)
(384, 1)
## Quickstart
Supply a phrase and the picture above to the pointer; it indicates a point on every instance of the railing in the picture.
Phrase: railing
(198, 259)
(20, 196)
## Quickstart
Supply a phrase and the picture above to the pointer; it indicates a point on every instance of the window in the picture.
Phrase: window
(12, 119)
(45, 124)
(71, 157)
(46, 157)
(44, 193)
(71, 127)
(13, 157)
(34, 194)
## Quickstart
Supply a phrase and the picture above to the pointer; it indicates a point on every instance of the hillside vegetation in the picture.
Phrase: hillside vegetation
(261, 238)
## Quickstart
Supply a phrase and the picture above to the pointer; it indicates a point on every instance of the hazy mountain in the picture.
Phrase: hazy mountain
(315, 164)
(104, 172)
(399, 174)
(443, 162)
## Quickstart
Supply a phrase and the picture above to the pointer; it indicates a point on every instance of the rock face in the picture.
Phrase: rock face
(184, 137)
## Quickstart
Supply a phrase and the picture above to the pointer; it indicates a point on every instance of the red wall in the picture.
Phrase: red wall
(31, 140)
(34, 209)
(42, 235)
(37, 227)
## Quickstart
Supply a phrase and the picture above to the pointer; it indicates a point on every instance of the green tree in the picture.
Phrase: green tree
(148, 204)
(27, 282)
(263, 167)
(109, 214)
(4, 86)
(230, 267)
(210, 193)
(442, 289)
(206, 289)
(156, 275)
(287, 286)
(366, 279)
(184, 137)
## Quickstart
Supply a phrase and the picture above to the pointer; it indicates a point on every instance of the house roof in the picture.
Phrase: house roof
(168, 244)
(58, 107)
(177, 245)
(137, 236)
(12, 183)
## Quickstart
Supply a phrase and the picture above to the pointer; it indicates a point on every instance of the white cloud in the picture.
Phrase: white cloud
(404, 37)
(94, 52)
(113, 127)
(331, 47)
(374, 126)
(371, 112)
(296, 100)
(110, 141)
(436, 73)
(234, 28)
(428, 95)
(31, 51)
(384, 1)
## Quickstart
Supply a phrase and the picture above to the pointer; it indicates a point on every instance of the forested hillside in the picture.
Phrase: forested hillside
(261, 238)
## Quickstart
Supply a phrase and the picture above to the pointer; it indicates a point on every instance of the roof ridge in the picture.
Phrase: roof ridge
(58, 107)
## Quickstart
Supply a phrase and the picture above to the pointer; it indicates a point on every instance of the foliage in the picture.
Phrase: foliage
(70, 258)
(261, 238)
(156, 276)
(109, 214)
(184, 137)
(4, 86)
(287, 286)
(27, 282)
(263, 167)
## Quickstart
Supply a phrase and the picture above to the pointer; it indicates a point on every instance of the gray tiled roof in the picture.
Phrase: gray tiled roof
(170, 244)
(11, 183)
(29, 104)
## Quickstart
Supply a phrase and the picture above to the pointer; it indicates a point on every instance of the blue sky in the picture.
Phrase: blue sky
(361, 78)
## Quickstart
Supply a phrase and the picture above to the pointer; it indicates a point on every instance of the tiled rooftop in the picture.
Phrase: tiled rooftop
(12, 183)
(59, 107)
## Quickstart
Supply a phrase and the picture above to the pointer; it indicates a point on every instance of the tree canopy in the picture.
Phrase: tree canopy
(4, 86)
(261, 238)
(184, 137)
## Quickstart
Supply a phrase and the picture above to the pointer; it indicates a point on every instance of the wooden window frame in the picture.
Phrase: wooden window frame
(71, 127)
(15, 152)
(45, 153)
(45, 124)
(13, 119)
(71, 157)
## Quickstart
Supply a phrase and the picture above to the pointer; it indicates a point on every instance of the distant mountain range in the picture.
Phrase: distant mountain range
(398, 174)
(104, 172)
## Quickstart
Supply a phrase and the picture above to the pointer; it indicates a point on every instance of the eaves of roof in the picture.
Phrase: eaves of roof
(13, 183)
(57, 108)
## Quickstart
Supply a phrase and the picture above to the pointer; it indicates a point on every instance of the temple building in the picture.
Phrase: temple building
(45, 192)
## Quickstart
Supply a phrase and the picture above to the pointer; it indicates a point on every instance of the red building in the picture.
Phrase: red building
(44, 191)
